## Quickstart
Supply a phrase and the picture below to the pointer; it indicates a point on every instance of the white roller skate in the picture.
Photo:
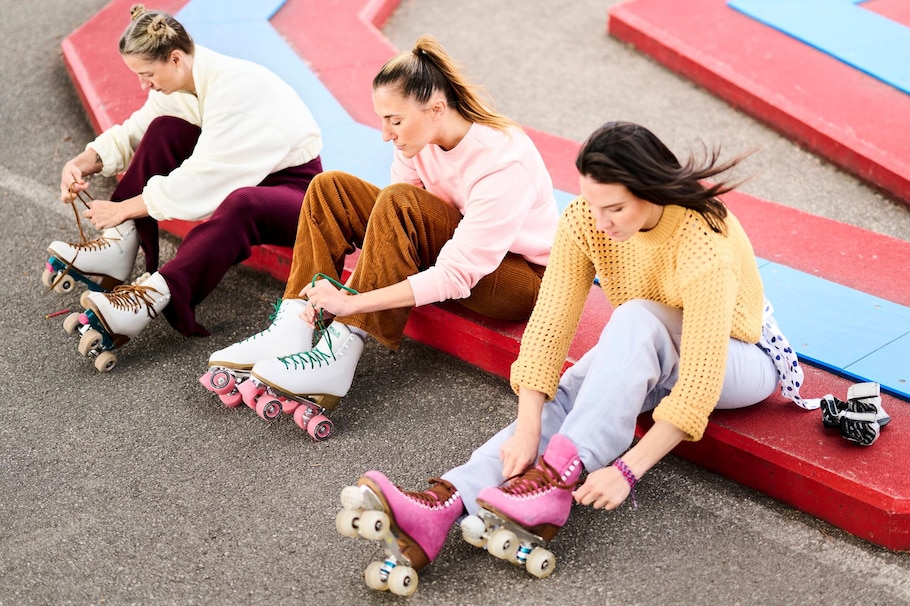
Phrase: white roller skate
(101, 264)
(309, 383)
(112, 319)
(229, 368)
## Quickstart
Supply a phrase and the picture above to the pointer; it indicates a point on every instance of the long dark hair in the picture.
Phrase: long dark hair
(631, 155)
(427, 68)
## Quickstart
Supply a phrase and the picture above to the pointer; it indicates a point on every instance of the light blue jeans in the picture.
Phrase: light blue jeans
(631, 368)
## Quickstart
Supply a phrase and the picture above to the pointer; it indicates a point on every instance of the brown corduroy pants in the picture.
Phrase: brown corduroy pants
(400, 231)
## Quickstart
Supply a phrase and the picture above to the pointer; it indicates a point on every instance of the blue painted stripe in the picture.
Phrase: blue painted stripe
(842, 329)
(861, 38)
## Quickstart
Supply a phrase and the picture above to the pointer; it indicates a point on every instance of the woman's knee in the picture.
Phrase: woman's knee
(238, 203)
(395, 196)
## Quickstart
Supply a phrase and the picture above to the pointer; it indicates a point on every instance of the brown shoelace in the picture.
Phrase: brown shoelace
(131, 296)
(538, 477)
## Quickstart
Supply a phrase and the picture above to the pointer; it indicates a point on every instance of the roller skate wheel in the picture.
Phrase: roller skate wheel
(47, 276)
(83, 299)
(541, 563)
(502, 544)
(250, 392)
(351, 497)
(90, 341)
(320, 428)
(268, 407)
(105, 361)
(290, 406)
(220, 381)
(347, 521)
(373, 576)
(231, 399)
(65, 286)
(71, 323)
(403, 581)
(374, 525)
(472, 531)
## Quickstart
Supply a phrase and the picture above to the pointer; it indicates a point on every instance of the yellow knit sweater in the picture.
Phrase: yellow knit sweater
(680, 262)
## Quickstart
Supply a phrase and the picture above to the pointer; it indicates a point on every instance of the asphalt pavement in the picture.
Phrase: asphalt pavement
(139, 487)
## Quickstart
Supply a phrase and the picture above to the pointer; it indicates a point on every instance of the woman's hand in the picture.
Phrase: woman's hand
(72, 181)
(518, 453)
(605, 488)
(72, 177)
(325, 296)
(104, 213)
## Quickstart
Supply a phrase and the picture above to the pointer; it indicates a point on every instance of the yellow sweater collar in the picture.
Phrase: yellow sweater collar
(663, 231)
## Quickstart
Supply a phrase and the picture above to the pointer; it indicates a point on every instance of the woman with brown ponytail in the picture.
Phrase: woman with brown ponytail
(218, 138)
(470, 215)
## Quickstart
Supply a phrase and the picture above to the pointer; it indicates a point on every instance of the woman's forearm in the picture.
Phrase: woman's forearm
(652, 447)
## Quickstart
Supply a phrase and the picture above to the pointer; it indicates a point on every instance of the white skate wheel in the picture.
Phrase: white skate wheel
(472, 530)
(351, 497)
(541, 563)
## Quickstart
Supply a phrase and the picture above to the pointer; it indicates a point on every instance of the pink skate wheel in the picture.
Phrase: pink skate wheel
(231, 399)
(219, 381)
(320, 428)
(268, 407)
(301, 417)
(288, 406)
(250, 392)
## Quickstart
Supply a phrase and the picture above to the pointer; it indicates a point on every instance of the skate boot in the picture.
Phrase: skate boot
(101, 264)
(308, 383)
(229, 368)
(859, 419)
(517, 518)
(413, 526)
(113, 318)
(871, 394)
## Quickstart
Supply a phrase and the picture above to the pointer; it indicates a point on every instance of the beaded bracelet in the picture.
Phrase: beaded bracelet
(630, 479)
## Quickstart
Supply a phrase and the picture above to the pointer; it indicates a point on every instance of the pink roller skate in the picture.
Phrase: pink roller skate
(413, 526)
(518, 518)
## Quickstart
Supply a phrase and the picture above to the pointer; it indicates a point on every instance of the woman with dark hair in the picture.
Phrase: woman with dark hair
(218, 138)
(690, 332)
(469, 216)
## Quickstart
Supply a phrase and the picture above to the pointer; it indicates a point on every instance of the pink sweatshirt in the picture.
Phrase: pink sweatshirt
(499, 183)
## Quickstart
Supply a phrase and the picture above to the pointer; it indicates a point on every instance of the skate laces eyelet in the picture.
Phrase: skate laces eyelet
(132, 297)
(429, 499)
(311, 358)
(539, 478)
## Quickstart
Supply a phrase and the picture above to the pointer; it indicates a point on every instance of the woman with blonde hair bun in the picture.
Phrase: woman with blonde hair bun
(219, 139)
(469, 216)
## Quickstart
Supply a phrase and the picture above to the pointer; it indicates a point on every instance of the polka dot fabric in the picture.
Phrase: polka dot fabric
(712, 277)
(778, 348)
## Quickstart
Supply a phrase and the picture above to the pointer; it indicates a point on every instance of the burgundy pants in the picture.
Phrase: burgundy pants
(266, 213)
